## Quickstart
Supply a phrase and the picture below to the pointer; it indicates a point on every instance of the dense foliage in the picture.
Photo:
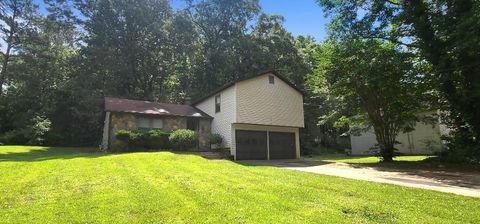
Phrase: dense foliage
(142, 140)
(183, 139)
(60, 62)
(372, 84)
(444, 35)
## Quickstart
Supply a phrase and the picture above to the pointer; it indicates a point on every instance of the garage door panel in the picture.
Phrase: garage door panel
(251, 145)
(282, 145)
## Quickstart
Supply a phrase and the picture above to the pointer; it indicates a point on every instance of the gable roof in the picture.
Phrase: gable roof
(153, 108)
(243, 79)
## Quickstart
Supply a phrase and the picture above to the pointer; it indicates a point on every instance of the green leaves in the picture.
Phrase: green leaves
(368, 83)
(443, 34)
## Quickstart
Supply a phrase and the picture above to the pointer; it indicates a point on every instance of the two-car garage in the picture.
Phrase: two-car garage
(265, 144)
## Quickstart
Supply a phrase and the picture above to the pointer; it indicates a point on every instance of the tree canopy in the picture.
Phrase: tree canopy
(443, 33)
(370, 84)
(63, 61)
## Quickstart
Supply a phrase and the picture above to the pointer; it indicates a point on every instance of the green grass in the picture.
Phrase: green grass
(366, 159)
(67, 185)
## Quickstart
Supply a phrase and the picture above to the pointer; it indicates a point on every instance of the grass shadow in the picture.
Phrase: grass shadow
(34, 154)
(283, 163)
(460, 175)
(37, 153)
(452, 175)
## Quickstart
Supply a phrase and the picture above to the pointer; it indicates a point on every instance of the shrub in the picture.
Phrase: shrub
(139, 140)
(216, 140)
(129, 138)
(125, 135)
(156, 139)
(32, 132)
(461, 147)
(183, 139)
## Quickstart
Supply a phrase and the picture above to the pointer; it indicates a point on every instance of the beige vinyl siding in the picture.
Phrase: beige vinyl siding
(250, 127)
(222, 122)
(259, 102)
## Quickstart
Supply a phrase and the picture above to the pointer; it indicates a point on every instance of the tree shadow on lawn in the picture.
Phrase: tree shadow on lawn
(36, 153)
(283, 163)
(50, 153)
(421, 169)
(450, 174)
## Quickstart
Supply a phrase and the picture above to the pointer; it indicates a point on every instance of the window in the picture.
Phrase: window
(217, 103)
(157, 123)
(271, 79)
(143, 123)
(192, 124)
(149, 123)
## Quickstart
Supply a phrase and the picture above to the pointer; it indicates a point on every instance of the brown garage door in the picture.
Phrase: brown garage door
(282, 145)
(251, 145)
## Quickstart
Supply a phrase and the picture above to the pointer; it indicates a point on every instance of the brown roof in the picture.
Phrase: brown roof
(148, 107)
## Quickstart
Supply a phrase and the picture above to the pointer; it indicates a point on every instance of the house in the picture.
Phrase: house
(258, 117)
(135, 114)
(425, 139)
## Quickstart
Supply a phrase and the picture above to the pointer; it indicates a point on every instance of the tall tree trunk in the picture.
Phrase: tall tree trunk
(3, 73)
(386, 143)
(9, 42)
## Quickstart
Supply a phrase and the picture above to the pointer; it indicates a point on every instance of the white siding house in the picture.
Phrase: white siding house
(424, 140)
(222, 122)
(258, 118)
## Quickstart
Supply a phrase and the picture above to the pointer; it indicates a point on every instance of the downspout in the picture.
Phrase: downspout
(106, 132)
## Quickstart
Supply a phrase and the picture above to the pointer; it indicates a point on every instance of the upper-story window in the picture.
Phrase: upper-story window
(271, 79)
(144, 123)
(217, 103)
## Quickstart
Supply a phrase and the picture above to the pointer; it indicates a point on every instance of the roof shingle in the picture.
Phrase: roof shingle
(154, 108)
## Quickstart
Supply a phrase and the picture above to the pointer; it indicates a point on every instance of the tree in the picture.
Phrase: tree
(276, 49)
(129, 46)
(15, 21)
(75, 52)
(373, 85)
(41, 68)
(444, 33)
(222, 28)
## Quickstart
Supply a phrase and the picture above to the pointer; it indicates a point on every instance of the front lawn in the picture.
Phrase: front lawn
(66, 185)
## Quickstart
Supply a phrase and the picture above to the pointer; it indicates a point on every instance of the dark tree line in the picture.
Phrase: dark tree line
(59, 63)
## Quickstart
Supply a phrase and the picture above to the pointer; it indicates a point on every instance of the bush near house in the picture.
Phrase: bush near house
(183, 139)
(216, 140)
(140, 140)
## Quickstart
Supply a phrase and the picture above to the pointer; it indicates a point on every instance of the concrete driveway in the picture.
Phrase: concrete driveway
(462, 183)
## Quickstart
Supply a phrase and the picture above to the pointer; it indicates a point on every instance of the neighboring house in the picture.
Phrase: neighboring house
(136, 115)
(258, 117)
(424, 140)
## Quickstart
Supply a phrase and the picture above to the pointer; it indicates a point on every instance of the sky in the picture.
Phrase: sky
(302, 17)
